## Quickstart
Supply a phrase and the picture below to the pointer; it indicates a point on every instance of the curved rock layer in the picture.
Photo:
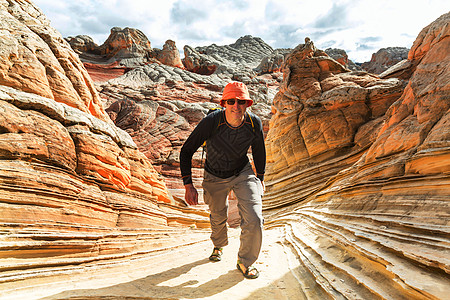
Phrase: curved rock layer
(36, 59)
(74, 188)
(361, 185)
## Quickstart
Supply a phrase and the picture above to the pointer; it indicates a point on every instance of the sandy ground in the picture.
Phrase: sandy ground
(186, 273)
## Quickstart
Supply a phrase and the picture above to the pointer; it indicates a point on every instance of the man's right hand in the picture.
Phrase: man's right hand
(191, 194)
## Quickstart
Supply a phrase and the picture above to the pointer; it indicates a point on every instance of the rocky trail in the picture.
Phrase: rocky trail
(185, 272)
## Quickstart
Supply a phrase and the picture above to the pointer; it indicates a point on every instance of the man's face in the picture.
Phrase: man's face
(236, 107)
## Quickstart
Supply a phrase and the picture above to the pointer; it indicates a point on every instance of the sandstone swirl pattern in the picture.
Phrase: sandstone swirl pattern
(74, 189)
(359, 173)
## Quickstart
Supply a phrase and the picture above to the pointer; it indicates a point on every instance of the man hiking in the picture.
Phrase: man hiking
(229, 133)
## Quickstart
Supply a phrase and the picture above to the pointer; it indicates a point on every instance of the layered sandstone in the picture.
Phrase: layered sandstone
(357, 177)
(362, 170)
(75, 191)
(36, 59)
(325, 115)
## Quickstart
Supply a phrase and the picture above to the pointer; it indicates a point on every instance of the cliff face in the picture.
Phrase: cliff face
(362, 168)
(73, 187)
(35, 60)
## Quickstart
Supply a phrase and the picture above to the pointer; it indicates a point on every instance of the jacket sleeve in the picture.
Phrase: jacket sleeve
(259, 149)
(200, 134)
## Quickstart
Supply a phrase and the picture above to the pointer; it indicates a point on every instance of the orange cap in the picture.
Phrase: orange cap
(236, 90)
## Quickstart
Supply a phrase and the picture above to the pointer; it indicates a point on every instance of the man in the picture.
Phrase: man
(229, 133)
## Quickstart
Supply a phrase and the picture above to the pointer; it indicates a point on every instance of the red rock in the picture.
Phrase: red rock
(125, 43)
(101, 72)
(170, 55)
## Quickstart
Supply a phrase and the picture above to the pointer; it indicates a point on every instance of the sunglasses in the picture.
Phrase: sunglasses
(232, 101)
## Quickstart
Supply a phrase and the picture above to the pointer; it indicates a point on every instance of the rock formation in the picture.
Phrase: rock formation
(169, 55)
(237, 61)
(82, 43)
(29, 63)
(129, 46)
(385, 58)
(358, 174)
(123, 50)
(341, 57)
(74, 189)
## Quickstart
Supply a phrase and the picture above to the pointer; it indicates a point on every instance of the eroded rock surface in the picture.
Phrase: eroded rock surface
(365, 183)
(36, 59)
(74, 188)
(357, 180)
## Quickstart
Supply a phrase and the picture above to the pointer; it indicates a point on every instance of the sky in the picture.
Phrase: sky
(360, 27)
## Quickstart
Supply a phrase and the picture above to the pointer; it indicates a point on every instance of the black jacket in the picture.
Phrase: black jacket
(226, 146)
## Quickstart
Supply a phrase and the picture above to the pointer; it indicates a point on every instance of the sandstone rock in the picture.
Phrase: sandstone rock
(237, 60)
(74, 189)
(36, 59)
(170, 55)
(273, 62)
(105, 72)
(362, 198)
(320, 109)
(82, 43)
(30, 135)
(341, 57)
(385, 58)
(197, 62)
(128, 45)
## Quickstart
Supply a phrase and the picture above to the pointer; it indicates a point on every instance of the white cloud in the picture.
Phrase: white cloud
(359, 27)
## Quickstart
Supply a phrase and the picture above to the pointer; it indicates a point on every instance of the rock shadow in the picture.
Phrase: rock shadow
(151, 287)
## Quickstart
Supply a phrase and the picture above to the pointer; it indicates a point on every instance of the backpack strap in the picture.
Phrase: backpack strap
(251, 121)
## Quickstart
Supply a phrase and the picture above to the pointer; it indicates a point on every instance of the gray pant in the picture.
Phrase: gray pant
(248, 190)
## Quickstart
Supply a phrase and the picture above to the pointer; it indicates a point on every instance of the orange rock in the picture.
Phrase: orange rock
(36, 59)
(319, 110)
(170, 55)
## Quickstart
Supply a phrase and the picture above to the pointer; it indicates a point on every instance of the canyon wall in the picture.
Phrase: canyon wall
(359, 172)
(74, 188)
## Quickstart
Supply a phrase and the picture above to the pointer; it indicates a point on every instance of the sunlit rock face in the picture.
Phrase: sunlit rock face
(358, 173)
(325, 118)
(74, 188)
(35, 59)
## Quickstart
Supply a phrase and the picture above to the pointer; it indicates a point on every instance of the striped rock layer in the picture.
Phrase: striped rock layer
(75, 191)
(359, 174)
